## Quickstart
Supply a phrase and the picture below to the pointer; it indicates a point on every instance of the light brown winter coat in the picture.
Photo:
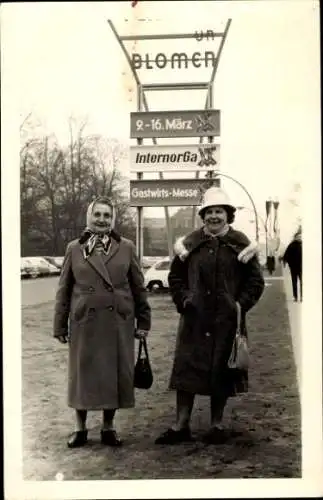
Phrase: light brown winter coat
(99, 303)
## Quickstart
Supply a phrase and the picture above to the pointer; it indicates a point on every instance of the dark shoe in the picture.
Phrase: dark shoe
(174, 437)
(216, 436)
(77, 439)
(110, 438)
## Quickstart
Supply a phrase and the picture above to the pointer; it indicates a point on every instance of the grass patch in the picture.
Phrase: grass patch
(269, 415)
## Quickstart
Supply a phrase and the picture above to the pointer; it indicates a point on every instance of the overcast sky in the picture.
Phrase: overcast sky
(62, 60)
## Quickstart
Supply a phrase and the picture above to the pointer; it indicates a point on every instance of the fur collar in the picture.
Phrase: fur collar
(234, 239)
(186, 244)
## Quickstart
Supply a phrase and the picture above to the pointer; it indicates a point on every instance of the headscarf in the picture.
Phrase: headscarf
(90, 237)
(89, 212)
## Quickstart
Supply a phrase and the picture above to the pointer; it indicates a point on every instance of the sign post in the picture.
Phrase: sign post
(140, 209)
(196, 123)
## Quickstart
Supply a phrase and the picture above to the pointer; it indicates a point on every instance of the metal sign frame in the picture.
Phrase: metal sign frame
(143, 105)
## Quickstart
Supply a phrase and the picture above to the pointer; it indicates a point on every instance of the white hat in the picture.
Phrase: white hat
(215, 196)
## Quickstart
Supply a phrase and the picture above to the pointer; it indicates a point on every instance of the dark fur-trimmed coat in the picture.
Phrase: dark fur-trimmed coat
(206, 280)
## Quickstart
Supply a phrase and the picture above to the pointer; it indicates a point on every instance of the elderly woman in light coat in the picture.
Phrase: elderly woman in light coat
(214, 275)
(101, 306)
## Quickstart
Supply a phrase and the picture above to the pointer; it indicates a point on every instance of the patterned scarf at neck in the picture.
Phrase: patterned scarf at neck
(222, 232)
(101, 242)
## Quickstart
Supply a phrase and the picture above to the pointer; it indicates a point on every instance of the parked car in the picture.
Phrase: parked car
(23, 272)
(27, 270)
(55, 261)
(156, 278)
(38, 266)
(149, 260)
(59, 261)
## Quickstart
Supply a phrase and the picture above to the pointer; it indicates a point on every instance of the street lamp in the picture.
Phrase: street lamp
(241, 207)
(269, 204)
(270, 260)
(255, 220)
(276, 205)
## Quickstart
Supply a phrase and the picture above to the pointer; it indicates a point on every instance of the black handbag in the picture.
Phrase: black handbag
(143, 377)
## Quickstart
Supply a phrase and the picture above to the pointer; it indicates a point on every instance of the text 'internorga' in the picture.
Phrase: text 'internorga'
(175, 157)
(187, 156)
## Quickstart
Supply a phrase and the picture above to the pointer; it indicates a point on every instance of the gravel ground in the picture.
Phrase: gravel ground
(269, 415)
(38, 291)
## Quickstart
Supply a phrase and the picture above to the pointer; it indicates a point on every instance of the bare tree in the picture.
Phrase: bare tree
(58, 183)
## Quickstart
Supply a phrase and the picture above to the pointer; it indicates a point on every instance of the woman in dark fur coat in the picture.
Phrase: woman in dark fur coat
(215, 273)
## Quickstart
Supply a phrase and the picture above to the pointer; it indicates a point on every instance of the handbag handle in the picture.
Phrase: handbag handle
(238, 332)
(143, 344)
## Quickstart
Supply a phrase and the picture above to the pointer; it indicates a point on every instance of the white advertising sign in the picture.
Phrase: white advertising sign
(175, 158)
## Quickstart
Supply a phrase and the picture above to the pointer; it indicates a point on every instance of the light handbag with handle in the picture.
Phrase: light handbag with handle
(239, 357)
(143, 377)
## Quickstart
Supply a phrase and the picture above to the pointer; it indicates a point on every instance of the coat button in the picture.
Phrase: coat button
(208, 292)
(110, 308)
(211, 250)
(207, 334)
(91, 289)
(91, 310)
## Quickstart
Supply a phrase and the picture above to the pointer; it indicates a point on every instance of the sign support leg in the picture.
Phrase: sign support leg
(216, 181)
(140, 210)
(139, 236)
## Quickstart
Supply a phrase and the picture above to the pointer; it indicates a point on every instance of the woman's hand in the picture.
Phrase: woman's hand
(141, 334)
(189, 304)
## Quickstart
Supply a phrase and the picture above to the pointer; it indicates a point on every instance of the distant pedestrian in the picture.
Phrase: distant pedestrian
(101, 305)
(271, 264)
(214, 276)
(293, 257)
